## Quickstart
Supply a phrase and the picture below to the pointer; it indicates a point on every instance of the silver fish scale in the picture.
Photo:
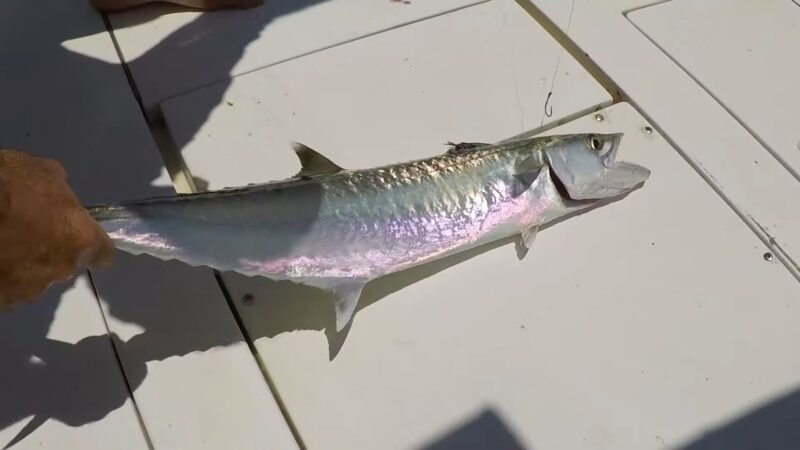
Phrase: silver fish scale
(413, 212)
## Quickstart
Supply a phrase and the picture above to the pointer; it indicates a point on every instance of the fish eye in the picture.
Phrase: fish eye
(594, 142)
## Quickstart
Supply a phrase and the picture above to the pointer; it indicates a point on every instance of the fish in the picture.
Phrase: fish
(337, 229)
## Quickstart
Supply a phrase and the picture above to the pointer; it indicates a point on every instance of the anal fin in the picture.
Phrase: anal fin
(346, 295)
(525, 241)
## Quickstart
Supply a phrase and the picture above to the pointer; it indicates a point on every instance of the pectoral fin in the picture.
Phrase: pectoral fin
(526, 241)
(523, 181)
(346, 295)
(313, 163)
(525, 173)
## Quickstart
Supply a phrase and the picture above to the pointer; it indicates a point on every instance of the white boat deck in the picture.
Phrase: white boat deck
(668, 319)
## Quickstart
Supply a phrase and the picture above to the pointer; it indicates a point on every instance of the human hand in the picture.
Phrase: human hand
(45, 233)
(206, 5)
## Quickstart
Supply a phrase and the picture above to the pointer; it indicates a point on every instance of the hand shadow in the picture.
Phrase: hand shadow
(50, 379)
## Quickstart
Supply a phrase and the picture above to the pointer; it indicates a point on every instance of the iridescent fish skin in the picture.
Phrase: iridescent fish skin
(338, 229)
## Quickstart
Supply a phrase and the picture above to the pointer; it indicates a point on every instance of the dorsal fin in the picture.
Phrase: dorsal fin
(464, 147)
(312, 162)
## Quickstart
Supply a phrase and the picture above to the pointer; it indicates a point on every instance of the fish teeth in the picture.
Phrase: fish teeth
(632, 164)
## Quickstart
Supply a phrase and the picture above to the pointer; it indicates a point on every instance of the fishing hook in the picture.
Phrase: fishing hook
(546, 102)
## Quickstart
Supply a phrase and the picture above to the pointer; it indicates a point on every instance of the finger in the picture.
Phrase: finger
(209, 5)
(63, 273)
(29, 291)
(30, 281)
(10, 157)
(53, 168)
(6, 305)
(219, 4)
(17, 159)
(87, 244)
(5, 200)
(101, 255)
(117, 5)
(80, 230)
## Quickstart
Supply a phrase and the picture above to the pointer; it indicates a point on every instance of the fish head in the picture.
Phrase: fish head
(587, 168)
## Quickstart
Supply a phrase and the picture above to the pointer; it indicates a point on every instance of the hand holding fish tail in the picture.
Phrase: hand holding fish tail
(45, 233)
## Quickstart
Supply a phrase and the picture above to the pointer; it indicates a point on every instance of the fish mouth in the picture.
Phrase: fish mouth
(624, 176)
(618, 177)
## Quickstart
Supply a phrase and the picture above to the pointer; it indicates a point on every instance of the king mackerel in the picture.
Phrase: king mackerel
(338, 229)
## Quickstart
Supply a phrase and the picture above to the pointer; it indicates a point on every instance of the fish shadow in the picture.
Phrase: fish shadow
(485, 430)
(268, 308)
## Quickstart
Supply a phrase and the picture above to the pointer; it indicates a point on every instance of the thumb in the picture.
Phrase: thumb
(101, 254)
